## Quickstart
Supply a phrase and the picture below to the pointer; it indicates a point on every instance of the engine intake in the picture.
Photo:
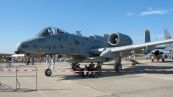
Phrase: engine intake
(119, 39)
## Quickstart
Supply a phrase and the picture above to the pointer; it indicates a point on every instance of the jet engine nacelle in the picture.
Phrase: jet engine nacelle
(119, 39)
(157, 53)
(160, 53)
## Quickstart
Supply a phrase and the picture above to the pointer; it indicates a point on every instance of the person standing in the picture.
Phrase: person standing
(32, 61)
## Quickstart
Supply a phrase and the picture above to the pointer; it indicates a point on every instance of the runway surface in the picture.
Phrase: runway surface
(143, 80)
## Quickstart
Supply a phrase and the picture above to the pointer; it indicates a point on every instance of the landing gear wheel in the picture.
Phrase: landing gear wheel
(118, 68)
(163, 60)
(48, 72)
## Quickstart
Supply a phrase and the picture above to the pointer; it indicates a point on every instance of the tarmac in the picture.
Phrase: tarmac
(143, 80)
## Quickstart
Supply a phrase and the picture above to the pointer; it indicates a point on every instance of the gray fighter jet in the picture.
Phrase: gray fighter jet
(160, 51)
(51, 41)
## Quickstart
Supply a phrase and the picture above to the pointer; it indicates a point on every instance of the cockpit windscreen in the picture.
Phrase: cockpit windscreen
(50, 31)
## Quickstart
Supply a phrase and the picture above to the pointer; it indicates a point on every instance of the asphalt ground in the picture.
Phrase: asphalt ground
(143, 80)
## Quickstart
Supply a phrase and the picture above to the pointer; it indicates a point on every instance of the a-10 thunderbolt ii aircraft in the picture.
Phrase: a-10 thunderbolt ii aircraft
(51, 41)
(159, 52)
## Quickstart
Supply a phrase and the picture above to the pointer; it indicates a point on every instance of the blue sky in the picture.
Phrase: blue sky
(22, 19)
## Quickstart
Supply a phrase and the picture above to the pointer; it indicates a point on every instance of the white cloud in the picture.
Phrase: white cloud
(129, 13)
(154, 12)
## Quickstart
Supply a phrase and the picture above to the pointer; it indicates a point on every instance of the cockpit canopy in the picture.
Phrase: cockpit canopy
(49, 31)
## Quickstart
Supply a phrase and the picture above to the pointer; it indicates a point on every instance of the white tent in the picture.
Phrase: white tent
(18, 55)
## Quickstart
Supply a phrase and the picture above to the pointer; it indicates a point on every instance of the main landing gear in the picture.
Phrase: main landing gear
(118, 65)
(50, 60)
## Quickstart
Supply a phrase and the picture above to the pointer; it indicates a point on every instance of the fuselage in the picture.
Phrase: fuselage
(59, 42)
(55, 41)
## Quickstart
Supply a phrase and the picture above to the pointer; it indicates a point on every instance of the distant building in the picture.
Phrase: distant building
(5, 55)
(167, 34)
(147, 36)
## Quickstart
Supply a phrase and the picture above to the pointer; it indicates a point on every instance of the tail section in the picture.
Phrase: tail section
(147, 36)
(147, 39)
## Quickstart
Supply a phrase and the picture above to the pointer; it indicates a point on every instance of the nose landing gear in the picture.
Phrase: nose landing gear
(50, 60)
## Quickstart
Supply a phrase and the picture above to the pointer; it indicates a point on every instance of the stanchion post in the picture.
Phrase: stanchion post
(36, 79)
(16, 78)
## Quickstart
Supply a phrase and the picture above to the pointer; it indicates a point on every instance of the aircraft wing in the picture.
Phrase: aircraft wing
(110, 50)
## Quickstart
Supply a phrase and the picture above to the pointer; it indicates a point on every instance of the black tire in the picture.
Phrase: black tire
(118, 68)
(48, 72)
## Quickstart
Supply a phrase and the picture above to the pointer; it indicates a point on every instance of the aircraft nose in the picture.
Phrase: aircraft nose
(26, 47)
(18, 51)
(21, 47)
